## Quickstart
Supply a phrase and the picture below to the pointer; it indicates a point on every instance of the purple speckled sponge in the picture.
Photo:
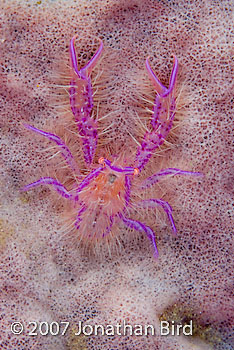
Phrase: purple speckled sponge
(46, 276)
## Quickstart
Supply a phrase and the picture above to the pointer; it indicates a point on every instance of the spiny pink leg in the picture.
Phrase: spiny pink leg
(163, 115)
(81, 101)
(50, 181)
(152, 203)
(139, 226)
(78, 217)
(165, 172)
(108, 228)
(66, 153)
(87, 180)
(62, 190)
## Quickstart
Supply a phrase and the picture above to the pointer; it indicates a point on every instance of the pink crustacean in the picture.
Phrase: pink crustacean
(103, 196)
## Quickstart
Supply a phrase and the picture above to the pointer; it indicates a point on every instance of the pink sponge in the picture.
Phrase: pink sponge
(45, 279)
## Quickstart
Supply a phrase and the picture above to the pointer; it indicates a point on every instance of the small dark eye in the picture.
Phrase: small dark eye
(112, 178)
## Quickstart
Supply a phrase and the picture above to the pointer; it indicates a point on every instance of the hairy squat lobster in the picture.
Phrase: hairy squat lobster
(103, 197)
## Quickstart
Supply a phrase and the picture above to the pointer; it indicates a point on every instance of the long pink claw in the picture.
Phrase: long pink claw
(81, 101)
(163, 115)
